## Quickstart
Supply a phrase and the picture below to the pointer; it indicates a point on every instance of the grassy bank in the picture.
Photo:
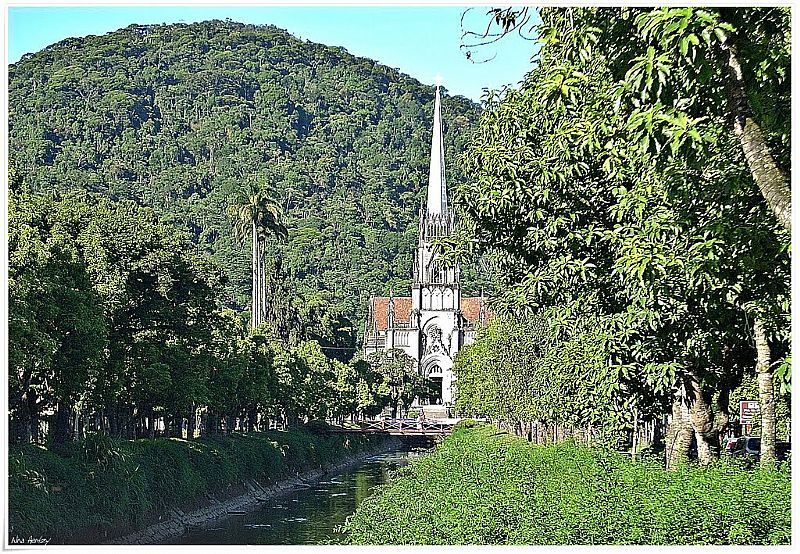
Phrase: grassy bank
(103, 485)
(482, 487)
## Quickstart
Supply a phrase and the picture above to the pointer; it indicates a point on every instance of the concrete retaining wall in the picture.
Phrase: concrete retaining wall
(176, 522)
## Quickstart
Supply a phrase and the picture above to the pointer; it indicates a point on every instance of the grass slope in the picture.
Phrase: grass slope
(105, 485)
(485, 487)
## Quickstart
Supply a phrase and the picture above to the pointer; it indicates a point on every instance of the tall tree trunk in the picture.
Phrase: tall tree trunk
(78, 425)
(176, 426)
(30, 418)
(679, 435)
(772, 182)
(701, 417)
(254, 304)
(766, 393)
(211, 423)
(113, 422)
(262, 281)
(635, 434)
(131, 423)
(151, 418)
(204, 423)
(61, 430)
(722, 412)
(251, 419)
(190, 425)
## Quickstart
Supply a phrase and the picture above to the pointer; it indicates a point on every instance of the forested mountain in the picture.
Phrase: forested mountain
(182, 117)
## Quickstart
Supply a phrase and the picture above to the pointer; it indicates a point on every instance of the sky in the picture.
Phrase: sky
(420, 41)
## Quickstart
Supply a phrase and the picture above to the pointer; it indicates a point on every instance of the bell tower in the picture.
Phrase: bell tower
(436, 287)
(436, 292)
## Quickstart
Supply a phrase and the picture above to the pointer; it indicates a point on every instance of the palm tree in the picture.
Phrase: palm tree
(256, 214)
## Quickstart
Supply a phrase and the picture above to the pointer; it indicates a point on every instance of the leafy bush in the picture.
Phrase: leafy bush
(484, 487)
(107, 484)
(466, 424)
(317, 426)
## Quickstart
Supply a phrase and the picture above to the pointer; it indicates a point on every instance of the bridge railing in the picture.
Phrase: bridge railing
(400, 426)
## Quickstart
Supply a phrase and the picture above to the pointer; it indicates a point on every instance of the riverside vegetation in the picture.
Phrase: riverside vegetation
(632, 195)
(103, 486)
(630, 198)
(642, 248)
(139, 162)
(484, 486)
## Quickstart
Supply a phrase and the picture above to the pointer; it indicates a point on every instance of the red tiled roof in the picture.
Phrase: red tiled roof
(470, 307)
(402, 310)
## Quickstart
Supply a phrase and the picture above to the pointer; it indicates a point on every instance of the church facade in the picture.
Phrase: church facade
(435, 322)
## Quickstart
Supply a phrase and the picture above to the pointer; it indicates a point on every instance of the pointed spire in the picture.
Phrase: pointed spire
(437, 191)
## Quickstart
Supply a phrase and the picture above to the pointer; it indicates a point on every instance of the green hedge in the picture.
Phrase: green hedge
(485, 487)
(103, 484)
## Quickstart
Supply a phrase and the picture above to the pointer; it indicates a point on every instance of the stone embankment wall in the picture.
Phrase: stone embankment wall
(177, 522)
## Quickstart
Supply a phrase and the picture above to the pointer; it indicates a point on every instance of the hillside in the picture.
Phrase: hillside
(180, 117)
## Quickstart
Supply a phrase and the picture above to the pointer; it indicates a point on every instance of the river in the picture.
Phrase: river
(308, 515)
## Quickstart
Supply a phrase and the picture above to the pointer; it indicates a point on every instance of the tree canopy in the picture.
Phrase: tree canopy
(615, 183)
(181, 118)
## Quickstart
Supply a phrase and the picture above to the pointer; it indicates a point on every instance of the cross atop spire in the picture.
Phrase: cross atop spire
(437, 191)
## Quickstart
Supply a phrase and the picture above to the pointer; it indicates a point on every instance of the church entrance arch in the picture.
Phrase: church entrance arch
(431, 369)
(434, 391)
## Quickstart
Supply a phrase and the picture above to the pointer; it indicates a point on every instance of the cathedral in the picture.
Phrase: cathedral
(435, 322)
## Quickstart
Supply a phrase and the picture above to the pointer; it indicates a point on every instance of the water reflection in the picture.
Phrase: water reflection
(309, 515)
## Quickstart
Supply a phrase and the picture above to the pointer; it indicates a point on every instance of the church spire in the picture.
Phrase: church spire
(437, 191)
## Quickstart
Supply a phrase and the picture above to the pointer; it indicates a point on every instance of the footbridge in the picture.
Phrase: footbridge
(404, 427)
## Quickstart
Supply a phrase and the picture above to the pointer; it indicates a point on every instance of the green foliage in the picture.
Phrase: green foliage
(118, 317)
(485, 487)
(109, 300)
(110, 484)
(183, 118)
(400, 383)
(465, 424)
(784, 375)
(611, 184)
(525, 371)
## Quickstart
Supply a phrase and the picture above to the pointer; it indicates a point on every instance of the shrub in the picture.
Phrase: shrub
(466, 424)
(317, 426)
(482, 487)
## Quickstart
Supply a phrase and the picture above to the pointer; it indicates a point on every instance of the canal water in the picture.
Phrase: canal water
(308, 515)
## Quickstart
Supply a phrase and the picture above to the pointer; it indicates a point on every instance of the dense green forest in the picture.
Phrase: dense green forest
(183, 118)
(115, 325)
(133, 156)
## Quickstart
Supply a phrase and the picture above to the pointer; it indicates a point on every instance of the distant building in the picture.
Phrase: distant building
(435, 322)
